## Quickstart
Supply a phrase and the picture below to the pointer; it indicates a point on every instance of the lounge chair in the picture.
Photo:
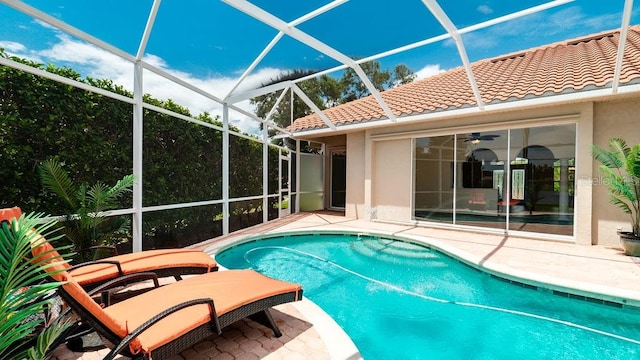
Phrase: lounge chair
(163, 262)
(168, 319)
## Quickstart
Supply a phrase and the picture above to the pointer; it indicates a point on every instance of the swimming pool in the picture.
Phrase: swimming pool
(399, 300)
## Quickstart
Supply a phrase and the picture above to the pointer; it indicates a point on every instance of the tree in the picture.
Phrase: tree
(326, 91)
(402, 75)
(354, 88)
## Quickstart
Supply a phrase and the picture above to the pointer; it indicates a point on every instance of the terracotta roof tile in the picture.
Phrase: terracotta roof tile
(569, 66)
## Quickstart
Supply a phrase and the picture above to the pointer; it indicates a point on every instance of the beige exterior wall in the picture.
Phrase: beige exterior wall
(612, 119)
(355, 207)
(392, 180)
(392, 191)
(380, 167)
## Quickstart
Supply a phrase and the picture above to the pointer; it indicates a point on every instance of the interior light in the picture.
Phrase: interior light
(475, 141)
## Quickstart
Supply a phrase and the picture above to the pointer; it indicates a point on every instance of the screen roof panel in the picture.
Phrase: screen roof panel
(118, 22)
(242, 45)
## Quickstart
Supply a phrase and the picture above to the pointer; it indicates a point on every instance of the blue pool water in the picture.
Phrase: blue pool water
(399, 300)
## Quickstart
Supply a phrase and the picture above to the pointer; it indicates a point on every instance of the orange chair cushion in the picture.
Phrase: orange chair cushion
(118, 327)
(9, 213)
(48, 257)
(148, 260)
(229, 290)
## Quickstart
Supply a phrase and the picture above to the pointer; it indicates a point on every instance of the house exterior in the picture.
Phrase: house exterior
(516, 162)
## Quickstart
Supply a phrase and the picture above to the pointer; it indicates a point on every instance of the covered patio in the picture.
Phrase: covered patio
(249, 178)
(564, 269)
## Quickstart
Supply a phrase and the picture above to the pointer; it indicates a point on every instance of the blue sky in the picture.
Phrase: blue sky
(210, 43)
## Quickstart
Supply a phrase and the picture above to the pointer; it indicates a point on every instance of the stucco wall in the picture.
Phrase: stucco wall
(391, 180)
(612, 119)
(355, 207)
(379, 166)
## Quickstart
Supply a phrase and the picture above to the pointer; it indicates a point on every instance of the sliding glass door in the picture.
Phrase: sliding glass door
(338, 179)
(519, 179)
(433, 180)
(480, 165)
(542, 179)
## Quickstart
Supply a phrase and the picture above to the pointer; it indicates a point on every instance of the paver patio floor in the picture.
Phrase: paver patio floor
(584, 270)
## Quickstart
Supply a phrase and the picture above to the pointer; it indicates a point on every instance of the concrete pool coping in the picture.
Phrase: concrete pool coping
(591, 272)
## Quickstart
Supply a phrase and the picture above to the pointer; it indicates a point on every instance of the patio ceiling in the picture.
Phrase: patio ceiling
(326, 31)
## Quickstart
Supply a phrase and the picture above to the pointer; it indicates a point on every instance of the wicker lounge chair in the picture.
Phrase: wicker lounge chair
(163, 321)
(163, 262)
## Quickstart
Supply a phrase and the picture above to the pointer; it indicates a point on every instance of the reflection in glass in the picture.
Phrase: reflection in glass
(433, 165)
(542, 176)
(338, 179)
(480, 164)
(521, 177)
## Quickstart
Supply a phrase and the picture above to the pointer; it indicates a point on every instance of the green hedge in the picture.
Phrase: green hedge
(91, 135)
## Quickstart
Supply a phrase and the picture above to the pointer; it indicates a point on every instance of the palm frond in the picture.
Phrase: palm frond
(623, 187)
(122, 226)
(106, 198)
(99, 199)
(55, 179)
(606, 158)
(88, 204)
(633, 162)
(620, 204)
(23, 294)
(122, 186)
(47, 338)
(619, 147)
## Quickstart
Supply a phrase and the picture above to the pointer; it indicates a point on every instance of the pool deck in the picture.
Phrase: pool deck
(595, 273)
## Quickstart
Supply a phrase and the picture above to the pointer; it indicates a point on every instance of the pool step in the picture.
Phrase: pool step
(376, 246)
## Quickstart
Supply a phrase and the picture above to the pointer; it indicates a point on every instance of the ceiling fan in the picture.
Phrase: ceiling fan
(476, 137)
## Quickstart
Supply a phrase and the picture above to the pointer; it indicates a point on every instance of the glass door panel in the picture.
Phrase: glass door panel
(542, 176)
(433, 187)
(480, 183)
(338, 179)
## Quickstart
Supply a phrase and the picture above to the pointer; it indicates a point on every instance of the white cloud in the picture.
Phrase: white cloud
(94, 62)
(12, 46)
(162, 88)
(428, 71)
(566, 20)
(484, 9)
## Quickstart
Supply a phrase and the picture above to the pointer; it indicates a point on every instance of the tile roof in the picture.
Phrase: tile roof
(582, 64)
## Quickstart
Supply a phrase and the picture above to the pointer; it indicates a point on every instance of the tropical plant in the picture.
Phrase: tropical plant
(620, 167)
(87, 223)
(24, 295)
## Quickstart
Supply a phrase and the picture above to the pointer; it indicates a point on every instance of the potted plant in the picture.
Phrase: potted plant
(620, 167)
(87, 224)
(25, 331)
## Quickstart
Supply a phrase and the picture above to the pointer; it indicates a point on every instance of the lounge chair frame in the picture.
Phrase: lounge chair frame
(175, 270)
(257, 311)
